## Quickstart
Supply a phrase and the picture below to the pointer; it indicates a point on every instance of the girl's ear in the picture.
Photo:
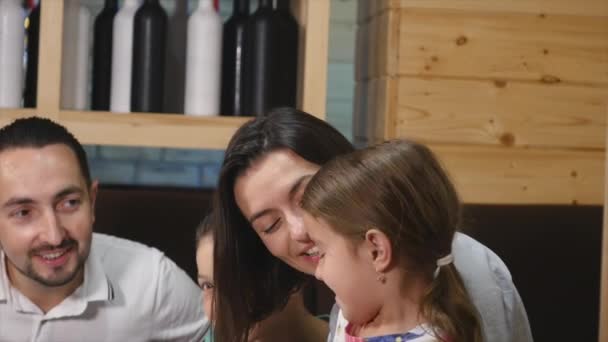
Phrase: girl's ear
(380, 249)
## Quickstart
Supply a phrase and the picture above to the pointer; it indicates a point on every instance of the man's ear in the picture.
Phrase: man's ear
(93, 197)
(380, 248)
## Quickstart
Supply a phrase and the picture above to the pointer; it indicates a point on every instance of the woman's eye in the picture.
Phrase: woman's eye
(272, 227)
(205, 286)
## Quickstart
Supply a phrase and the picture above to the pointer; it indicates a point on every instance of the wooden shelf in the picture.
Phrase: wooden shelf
(151, 130)
(7, 115)
(170, 130)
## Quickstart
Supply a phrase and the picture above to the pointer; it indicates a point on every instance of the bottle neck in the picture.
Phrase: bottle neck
(265, 4)
(241, 6)
(205, 5)
(132, 3)
(284, 5)
(111, 4)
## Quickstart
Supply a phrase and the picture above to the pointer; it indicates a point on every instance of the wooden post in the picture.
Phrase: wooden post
(313, 17)
(604, 278)
(49, 59)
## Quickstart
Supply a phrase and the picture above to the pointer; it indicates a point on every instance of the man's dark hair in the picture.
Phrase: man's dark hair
(39, 132)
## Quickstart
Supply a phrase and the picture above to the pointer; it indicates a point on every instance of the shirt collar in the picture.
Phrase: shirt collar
(4, 285)
(97, 285)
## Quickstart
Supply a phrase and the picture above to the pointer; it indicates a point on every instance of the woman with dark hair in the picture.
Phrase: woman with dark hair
(263, 255)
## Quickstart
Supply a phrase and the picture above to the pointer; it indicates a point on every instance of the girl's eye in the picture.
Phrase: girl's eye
(272, 227)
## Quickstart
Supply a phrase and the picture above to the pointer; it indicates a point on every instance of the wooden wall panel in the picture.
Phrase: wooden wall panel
(494, 175)
(468, 44)
(570, 7)
(501, 113)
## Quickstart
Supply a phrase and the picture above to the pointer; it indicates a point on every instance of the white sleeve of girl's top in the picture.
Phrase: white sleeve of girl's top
(333, 317)
(337, 324)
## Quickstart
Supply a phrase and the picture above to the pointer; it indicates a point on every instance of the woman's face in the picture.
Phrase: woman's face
(268, 194)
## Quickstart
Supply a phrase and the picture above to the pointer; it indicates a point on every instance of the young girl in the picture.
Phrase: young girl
(291, 323)
(383, 219)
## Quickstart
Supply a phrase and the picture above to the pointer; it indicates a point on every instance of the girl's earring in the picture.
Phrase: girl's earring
(381, 278)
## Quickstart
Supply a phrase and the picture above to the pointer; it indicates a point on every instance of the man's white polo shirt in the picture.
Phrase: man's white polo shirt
(130, 293)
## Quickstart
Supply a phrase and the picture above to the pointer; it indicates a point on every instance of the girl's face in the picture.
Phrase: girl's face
(204, 265)
(346, 267)
(268, 194)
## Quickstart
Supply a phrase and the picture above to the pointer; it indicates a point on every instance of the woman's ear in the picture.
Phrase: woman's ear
(380, 248)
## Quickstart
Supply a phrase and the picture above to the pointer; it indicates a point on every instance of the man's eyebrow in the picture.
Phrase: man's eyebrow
(296, 186)
(68, 191)
(17, 201)
(25, 200)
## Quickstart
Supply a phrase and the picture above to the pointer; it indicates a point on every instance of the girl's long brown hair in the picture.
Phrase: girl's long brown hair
(400, 188)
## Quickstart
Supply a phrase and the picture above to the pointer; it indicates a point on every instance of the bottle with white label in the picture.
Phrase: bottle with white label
(12, 34)
(203, 61)
(75, 61)
(122, 57)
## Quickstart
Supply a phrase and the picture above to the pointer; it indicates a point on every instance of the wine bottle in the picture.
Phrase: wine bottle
(203, 61)
(102, 56)
(175, 60)
(31, 69)
(260, 56)
(122, 57)
(149, 35)
(12, 37)
(287, 56)
(75, 61)
(233, 87)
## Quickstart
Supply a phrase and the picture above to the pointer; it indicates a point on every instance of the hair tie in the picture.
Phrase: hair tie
(446, 260)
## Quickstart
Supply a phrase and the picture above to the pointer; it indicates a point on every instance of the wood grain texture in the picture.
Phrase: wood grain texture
(543, 48)
(313, 16)
(151, 130)
(501, 113)
(49, 59)
(495, 175)
(580, 8)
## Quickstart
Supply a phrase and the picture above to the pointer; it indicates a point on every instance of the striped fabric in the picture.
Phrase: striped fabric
(420, 333)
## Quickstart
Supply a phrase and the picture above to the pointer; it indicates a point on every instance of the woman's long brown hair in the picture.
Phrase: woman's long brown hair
(250, 283)
(400, 188)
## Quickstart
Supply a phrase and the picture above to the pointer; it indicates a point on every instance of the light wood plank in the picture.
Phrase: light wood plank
(152, 130)
(8, 115)
(313, 16)
(542, 48)
(583, 7)
(603, 320)
(49, 58)
(493, 175)
(501, 113)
